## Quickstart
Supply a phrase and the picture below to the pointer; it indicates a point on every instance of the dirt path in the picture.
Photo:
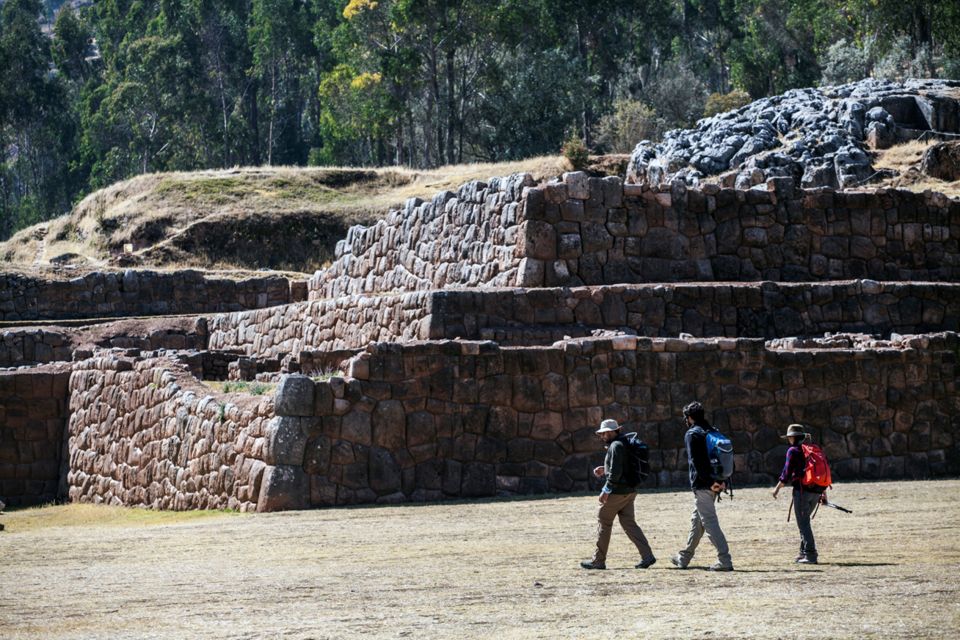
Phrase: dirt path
(505, 569)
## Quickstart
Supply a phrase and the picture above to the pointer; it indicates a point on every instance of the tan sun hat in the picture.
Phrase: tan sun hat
(608, 425)
(795, 430)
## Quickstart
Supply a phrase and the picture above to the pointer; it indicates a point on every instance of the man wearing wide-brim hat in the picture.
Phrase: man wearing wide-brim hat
(805, 497)
(616, 500)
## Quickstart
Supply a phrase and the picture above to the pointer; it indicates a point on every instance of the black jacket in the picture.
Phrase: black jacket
(697, 459)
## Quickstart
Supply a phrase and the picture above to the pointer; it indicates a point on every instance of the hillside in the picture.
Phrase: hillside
(252, 218)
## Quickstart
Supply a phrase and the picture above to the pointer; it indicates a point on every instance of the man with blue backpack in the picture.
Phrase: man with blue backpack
(710, 458)
(625, 466)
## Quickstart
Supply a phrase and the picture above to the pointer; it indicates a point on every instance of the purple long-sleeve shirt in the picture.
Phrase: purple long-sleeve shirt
(793, 468)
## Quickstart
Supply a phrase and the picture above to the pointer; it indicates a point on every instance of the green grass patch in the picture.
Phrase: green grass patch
(242, 386)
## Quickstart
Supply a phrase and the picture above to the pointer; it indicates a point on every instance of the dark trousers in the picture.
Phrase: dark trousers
(804, 504)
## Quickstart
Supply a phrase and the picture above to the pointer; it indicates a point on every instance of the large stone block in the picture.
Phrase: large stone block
(285, 442)
(294, 396)
(284, 487)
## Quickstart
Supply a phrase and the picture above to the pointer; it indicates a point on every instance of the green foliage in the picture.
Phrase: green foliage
(723, 102)
(677, 95)
(630, 122)
(845, 62)
(575, 151)
(186, 85)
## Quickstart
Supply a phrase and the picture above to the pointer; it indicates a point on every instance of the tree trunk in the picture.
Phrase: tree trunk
(451, 107)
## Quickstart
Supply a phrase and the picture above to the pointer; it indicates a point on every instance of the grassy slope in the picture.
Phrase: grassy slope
(504, 569)
(240, 218)
(905, 160)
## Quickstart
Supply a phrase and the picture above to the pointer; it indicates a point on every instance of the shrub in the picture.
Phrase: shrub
(576, 153)
(723, 102)
(630, 122)
(676, 94)
(901, 61)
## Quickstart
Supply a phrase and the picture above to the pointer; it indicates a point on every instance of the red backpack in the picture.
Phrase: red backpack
(816, 471)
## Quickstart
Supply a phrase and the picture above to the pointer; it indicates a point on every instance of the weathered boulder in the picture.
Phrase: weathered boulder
(816, 136)
(942, 161)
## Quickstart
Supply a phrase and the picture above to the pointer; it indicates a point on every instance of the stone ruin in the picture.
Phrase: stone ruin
(469, 346)
(820, 137)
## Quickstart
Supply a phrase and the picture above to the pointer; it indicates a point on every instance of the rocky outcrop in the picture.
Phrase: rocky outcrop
(818, 136)
(942, 161)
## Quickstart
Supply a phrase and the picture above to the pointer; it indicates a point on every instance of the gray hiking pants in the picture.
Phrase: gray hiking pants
(704, 520)
(804, 504)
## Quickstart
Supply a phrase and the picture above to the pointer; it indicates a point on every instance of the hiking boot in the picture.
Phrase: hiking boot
(589, 564)
(678, 562)
(716, 566)
(807, 560)
(649, 562)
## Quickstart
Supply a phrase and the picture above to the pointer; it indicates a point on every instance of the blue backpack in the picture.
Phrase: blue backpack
(720, 453)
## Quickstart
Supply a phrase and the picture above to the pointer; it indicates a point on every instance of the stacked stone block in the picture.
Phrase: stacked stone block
(145, 433)
(33, 416)
(543, 315)
(464, 419)
(348, 322)
(596, 231)
(466, 238)
(134, 293)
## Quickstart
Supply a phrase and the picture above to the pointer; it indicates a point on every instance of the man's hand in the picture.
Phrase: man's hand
(717, 487)
(598, 471)
(603, 497)
(775, 492)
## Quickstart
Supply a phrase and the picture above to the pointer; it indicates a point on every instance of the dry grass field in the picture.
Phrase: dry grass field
(501, 569)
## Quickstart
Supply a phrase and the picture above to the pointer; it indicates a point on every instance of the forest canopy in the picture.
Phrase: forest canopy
(93, 95)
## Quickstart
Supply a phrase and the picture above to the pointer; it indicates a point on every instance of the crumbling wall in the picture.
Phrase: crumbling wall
(463, 419)
(146, 433)
(33, 416)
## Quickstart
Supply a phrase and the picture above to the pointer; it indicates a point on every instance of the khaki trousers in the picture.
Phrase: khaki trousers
(619, 505)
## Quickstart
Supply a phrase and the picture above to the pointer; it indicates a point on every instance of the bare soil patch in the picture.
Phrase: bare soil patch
(506, 569)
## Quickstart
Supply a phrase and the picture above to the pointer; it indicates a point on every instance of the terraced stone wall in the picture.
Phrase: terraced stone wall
(463, 419)
(348, 322)
(33, 417)
(146, 433)
(134, 293)
(467, 238)
(593, 231)
(541, 316)
(747, 310)
(22, 346)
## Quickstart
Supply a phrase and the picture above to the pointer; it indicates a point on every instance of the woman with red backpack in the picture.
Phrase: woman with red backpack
(806, 469)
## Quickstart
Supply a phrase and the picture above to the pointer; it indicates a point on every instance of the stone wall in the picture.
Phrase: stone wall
(146, 433)
(746, 310)
(134, 293)
(21, 346)
(466, 238)
(464, 419)
(541, 316)
(346, 322)
(35, 345)
(33, 417)
(592, 231)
